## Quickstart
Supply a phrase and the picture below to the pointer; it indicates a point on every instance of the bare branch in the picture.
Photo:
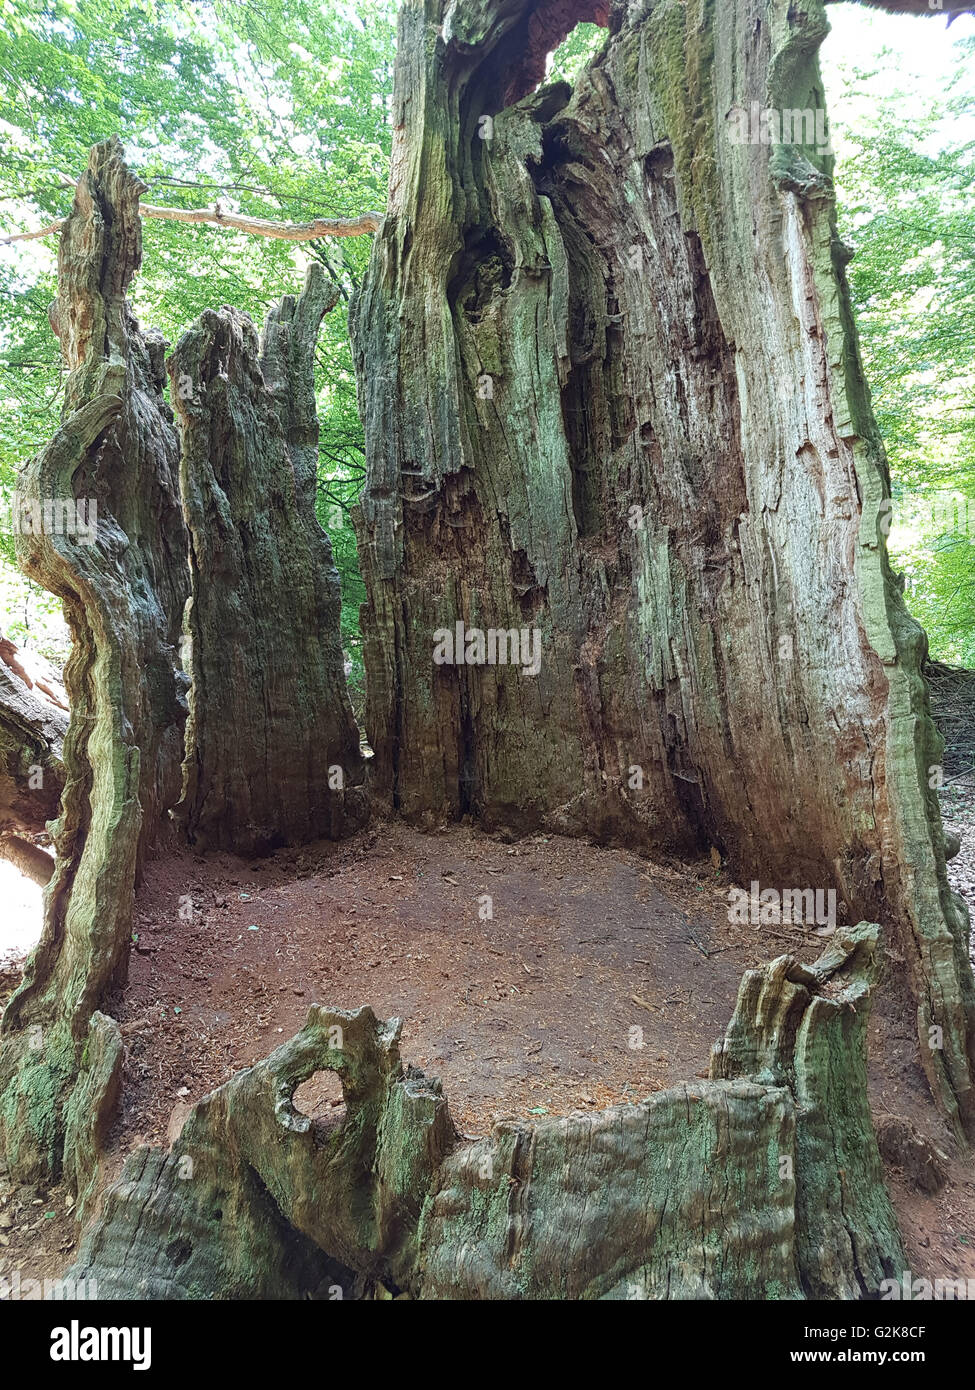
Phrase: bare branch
(258, 226)
(949, 8)
(254, 226)
(49, 230)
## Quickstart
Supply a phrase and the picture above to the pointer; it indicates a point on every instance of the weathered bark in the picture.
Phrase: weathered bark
(272, 746)
(763, 1182)
(612, 391)
(91, 1110)
(123, 598)
(36, 673)
(804, 1027)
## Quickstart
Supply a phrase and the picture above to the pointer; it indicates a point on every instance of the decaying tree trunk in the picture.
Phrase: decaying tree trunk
(28, 858)
(612, 394)
(614, 412)
(33, 725)
(270, 754)
(272, 746)
(106, 535)
(763, 1182)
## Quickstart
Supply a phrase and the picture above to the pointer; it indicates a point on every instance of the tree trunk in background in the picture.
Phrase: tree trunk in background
(33, 724)
(611, 391)
(124, 590)
(27, 858)
(32, 732)
(272, 746)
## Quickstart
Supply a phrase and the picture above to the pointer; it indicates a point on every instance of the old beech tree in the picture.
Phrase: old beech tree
(612, 392)
(674, 473)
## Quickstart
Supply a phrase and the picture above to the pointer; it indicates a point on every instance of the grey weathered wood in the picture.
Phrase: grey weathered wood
(32, 731)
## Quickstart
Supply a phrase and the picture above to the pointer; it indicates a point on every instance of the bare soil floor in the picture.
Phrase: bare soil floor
(525, 1011)
(520, 970)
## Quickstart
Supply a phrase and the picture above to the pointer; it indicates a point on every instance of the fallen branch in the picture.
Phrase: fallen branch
(33, 724)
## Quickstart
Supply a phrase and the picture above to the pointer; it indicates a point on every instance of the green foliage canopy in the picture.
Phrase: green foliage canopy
(280, 109)
(277, 109)
(905, 180)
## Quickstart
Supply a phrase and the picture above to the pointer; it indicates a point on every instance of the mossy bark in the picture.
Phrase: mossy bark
(272, 746)
(763, 1182)
(246, 586)
(123, 597)
(90, 1111)
(612, 391)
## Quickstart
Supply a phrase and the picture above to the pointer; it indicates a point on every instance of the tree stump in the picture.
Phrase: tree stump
(763, 1182)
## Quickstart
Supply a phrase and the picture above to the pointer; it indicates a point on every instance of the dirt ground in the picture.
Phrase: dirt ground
(523, 1012)
(520, 972)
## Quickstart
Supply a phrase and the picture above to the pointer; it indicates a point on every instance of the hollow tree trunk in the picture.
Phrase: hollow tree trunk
(612, 392)
(123, 587)
(272, 746)
(763, 1182)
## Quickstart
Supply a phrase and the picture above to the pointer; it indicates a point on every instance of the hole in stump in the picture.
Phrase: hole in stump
(321, 1098)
